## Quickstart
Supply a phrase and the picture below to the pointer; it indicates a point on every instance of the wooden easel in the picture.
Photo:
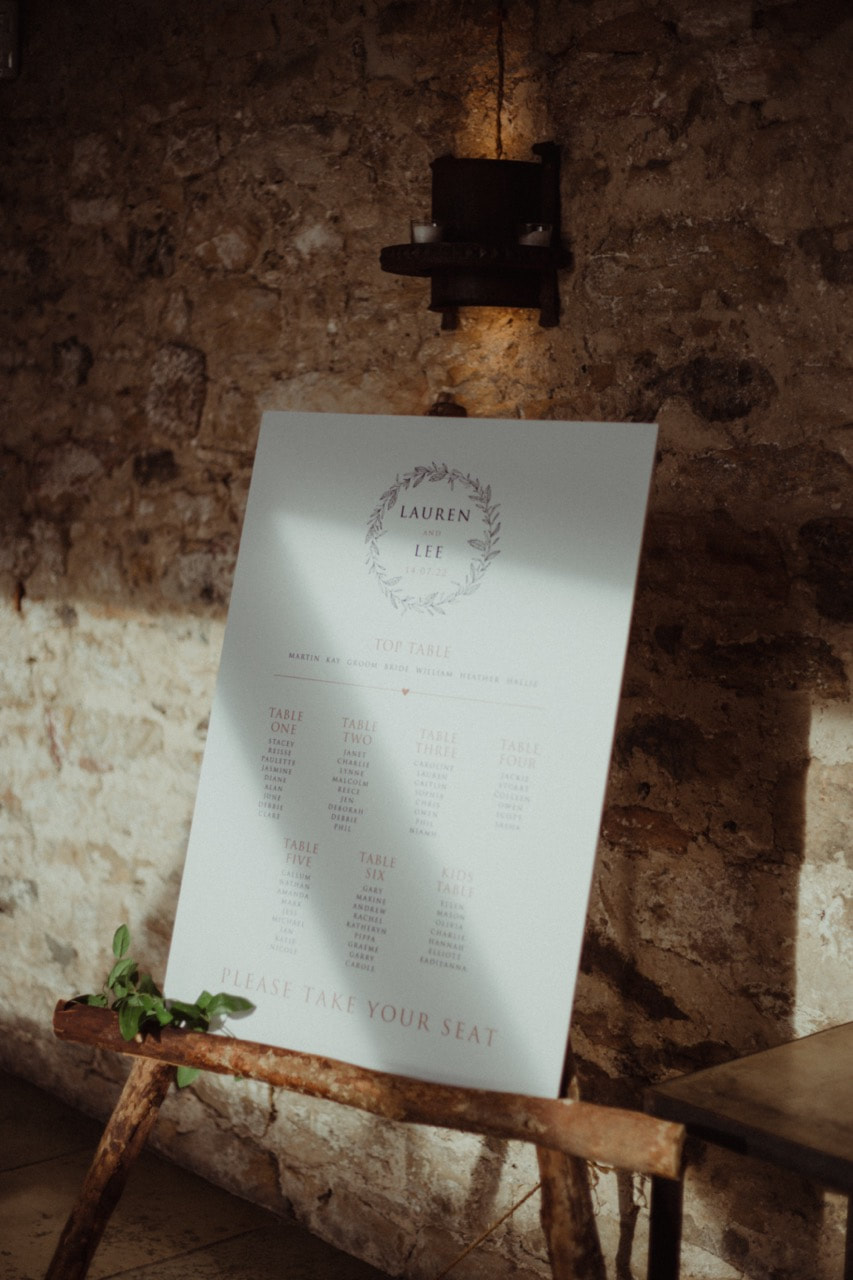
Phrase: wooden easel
(566, 1132)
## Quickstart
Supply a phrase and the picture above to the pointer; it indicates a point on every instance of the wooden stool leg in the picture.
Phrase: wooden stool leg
(665, 1229)
(567, 1217)
(124, 1137)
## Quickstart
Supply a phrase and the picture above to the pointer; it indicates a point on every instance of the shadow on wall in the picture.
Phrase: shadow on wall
(690, 957)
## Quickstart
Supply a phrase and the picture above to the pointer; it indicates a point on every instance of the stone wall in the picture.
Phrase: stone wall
(194, 201)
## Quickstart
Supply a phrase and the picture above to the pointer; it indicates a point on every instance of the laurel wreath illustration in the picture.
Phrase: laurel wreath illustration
(485, 547)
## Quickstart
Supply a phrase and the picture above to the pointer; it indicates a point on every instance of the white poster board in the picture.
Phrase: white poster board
(402, 785)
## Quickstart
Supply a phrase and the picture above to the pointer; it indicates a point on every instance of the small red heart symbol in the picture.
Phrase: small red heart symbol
(405, 691)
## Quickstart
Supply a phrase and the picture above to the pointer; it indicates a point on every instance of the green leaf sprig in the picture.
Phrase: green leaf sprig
(141, 1007)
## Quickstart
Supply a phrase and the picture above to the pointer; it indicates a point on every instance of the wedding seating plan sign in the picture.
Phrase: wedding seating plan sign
(402, 785)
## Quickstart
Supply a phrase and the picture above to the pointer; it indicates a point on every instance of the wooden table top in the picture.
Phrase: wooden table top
(792, 1105)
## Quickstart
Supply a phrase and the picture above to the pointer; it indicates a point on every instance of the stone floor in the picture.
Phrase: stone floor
(169, 1224)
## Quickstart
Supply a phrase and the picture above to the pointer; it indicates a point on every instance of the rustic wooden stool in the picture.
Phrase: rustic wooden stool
(791, 1106)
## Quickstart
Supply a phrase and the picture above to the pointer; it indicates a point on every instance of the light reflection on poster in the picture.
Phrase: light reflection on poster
(401, 790)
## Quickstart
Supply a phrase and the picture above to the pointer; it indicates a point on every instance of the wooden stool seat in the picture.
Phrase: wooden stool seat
(791, 1105)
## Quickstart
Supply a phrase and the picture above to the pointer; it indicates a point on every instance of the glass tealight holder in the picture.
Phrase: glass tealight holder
(427, 232)
(535, 233)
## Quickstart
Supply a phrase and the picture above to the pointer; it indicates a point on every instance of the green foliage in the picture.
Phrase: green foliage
(142, 1009)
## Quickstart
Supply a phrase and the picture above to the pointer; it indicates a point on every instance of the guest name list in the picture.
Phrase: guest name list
(399, 801)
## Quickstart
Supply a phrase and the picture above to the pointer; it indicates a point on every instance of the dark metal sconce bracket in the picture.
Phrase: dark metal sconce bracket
(496, 236)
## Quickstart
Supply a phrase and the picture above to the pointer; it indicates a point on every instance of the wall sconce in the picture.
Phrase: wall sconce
(493, 238)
